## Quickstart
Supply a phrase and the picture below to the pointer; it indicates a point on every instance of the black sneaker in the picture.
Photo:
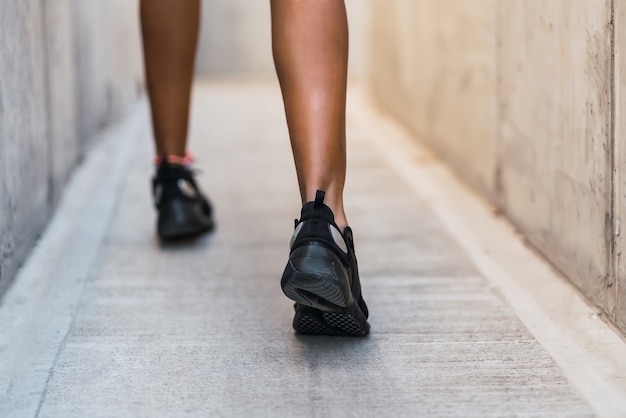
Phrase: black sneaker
(184, 211)
(322, 275)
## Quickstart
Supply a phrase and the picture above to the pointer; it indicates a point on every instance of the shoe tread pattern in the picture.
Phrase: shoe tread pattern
(311, 321)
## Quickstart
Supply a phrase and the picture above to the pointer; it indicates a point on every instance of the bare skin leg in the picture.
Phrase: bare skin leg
(170, 35)
(310, 44)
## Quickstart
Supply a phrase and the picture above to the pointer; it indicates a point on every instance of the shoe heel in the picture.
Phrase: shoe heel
(316, 277)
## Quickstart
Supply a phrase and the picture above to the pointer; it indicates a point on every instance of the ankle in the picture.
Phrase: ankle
(335, 202)
(185, 161)
(340, 219)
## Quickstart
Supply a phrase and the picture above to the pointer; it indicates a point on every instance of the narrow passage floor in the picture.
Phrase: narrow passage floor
(105, 320)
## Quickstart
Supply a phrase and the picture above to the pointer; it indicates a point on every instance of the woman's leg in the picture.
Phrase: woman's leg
(310, 39)
(310, 43)
(170, 34)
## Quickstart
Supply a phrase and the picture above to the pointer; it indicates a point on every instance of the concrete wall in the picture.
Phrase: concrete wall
(236, 37)
(67, 68)
(519, 96)
(433, 66)
(616, 294)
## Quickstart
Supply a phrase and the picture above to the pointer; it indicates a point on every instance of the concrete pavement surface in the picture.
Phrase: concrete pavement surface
(106, 321)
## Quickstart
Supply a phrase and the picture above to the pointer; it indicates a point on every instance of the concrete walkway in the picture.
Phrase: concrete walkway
(105, 321)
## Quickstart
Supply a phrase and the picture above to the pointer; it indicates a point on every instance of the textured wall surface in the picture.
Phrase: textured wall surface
(24, 157)
(67, 68)
(519, 97)
(617, 283)
(60, 76)
(554, 139)
(433, 66)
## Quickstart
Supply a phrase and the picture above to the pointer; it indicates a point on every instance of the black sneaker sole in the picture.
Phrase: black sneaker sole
(180, 219)
(311, 321)
(316, 280)
(183, 232)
